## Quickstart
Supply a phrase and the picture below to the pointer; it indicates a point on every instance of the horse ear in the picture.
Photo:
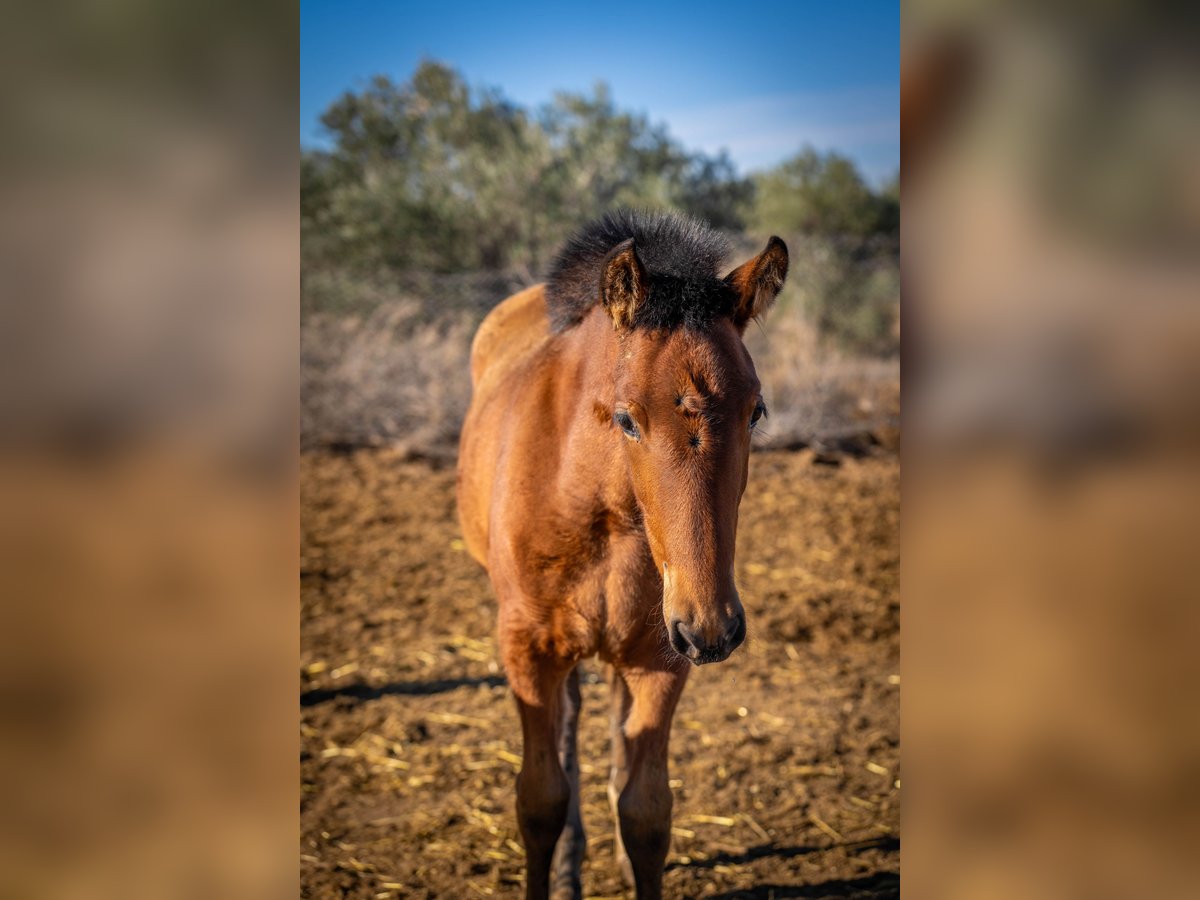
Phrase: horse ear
(623, 284)
(757, 282)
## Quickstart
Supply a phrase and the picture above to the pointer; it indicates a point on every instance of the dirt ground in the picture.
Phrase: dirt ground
(785, 758)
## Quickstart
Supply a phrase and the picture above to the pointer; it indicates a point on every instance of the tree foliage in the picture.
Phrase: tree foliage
(434, 176)
(814, 193)
(434, 179)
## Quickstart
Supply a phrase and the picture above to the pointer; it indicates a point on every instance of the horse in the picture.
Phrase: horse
(601, 465)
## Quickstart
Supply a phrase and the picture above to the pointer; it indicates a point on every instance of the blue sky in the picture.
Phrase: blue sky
(758, 79)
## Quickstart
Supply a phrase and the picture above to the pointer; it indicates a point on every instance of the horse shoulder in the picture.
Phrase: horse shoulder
(503, 357)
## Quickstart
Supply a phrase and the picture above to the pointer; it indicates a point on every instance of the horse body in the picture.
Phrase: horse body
(600, 470)
(534, 473)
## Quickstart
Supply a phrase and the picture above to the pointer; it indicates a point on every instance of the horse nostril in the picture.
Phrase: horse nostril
(736, 633)
(679, 640)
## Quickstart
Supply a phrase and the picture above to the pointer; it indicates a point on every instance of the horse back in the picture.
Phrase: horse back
(508, 336)
(508, 332)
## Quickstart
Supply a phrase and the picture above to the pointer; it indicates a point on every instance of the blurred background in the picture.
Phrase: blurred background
(1051, 268)
(149, 270)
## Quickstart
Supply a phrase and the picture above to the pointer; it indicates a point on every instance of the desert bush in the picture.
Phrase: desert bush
(823, 193)
(343, 291)
(434, 176)
(818, 394)
(849, 290)
(385, 378)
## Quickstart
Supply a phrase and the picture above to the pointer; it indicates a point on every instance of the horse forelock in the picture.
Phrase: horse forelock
(681, 254)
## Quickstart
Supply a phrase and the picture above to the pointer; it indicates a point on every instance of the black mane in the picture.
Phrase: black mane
(681, 254)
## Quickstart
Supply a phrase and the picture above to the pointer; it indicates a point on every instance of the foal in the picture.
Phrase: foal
(602, 463)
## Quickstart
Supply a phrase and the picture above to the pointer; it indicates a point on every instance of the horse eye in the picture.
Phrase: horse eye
(627, 425)
(759, 412)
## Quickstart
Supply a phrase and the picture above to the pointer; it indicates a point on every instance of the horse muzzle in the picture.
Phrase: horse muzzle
(701, 645)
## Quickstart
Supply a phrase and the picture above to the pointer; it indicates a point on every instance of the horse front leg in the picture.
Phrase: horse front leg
(543, 791)
(566, 873)
(620, 700)
(640, 782)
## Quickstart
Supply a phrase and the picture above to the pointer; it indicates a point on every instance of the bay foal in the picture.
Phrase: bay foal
(601, 466)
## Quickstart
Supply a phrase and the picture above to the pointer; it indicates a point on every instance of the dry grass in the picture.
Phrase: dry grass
(816, 394)
(386, 378)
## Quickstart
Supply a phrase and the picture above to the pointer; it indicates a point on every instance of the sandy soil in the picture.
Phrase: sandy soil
(785, 759)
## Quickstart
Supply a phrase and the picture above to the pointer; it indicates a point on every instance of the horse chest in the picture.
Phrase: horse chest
(616, 598)
(592, 596)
